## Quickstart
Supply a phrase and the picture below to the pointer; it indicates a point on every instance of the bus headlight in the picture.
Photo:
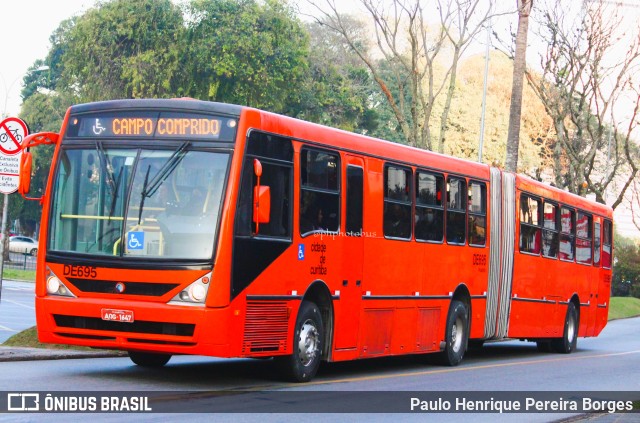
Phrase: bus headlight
(56, 287)
(197, 293)
(194, 294)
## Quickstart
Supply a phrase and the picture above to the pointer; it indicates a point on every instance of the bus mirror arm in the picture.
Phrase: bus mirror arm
(261, 198)
(26, 160)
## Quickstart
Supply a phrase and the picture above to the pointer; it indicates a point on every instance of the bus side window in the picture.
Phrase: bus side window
(477, 213)
(530, 232)
(567, 233)
(456, 210)
(276, 156)
(607, 243)
(429, 207)
(583, 238)
(596, 244)
(355, 200)
(397, 202)
(551, 227)
(319, 191)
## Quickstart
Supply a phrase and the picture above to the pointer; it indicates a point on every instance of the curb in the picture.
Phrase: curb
(30, 354)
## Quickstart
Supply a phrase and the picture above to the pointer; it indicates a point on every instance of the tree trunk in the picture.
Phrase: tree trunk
(519, 65)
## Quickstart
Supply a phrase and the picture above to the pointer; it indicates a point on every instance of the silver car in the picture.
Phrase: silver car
(23, 244)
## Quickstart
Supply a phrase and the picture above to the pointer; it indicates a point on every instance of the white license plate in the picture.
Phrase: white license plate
(117, 315)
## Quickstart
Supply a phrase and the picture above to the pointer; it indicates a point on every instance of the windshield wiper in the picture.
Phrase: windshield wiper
(150, 187)
(106, 164)
(166, 170)
(114, 197)
(143, 196)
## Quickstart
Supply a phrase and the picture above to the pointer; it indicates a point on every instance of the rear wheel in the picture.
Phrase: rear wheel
(456, 335)
(149, 359)
(303, 363)
(569, 340)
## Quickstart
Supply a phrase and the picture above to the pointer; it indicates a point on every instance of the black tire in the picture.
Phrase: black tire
(567, 344)
(34, 252)
(149, 359)
(308, 338)
(456, 334)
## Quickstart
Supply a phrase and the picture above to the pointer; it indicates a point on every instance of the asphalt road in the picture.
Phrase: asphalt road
(607, 363)
(17, 308)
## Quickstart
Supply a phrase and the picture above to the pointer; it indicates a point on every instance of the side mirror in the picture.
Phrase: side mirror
(261, 204)
(261, 198)
(26, 161)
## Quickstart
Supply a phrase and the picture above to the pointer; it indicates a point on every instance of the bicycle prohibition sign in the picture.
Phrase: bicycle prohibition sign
(12, 132)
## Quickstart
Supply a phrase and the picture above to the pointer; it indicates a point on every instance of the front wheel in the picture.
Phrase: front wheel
(303, 363)
(149, 359)
(34, 252)
(456, 335)
(569, 340)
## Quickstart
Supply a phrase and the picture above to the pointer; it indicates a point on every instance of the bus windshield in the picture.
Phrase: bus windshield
(137, 202)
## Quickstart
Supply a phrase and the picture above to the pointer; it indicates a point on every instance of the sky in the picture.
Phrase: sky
(24, 38)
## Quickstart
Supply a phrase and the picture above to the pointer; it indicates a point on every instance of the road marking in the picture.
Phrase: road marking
(20, 304)
(461, 369)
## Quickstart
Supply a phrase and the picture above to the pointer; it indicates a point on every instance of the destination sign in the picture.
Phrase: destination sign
(151, 125)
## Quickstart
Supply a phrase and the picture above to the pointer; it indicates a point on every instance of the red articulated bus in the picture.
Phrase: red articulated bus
(191, 227)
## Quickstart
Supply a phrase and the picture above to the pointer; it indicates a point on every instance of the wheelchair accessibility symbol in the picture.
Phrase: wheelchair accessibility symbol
(135, 240)
(300, 251)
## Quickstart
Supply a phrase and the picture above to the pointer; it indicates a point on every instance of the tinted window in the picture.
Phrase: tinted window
(530, 231)
(429, 207)
(319, 193)
(583, 238)
(567, 233)
(477, 213)
(456, 210)
(354, 200)
(551, 227)
(397, 202)
(607, 243)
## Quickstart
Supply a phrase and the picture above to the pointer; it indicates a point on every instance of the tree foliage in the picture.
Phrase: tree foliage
(120, 49)
(626, 269)
(583, 87)
(245, 52)
(422, 58)
(337, 90)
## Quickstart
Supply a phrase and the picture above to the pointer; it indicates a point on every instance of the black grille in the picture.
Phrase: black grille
(131, 288)
(139, 326)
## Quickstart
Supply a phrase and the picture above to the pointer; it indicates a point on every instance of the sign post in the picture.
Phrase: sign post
(12, 132)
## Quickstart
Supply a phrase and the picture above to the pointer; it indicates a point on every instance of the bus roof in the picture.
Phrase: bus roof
(174, 104)
(541, 189)
(364, 145)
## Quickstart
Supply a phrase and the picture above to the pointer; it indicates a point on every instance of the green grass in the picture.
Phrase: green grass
(19, 274)
(623, 307)
(620, 308)
(29, 338)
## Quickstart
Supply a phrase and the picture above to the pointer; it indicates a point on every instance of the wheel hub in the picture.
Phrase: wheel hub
(308, 343)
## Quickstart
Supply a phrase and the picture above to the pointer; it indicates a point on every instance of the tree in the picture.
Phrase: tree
(626, 269)
(245, 52)
(417, 74)
(337, 90)
(519, 65)
(584, 83)
(120, 49)
(535, 130)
